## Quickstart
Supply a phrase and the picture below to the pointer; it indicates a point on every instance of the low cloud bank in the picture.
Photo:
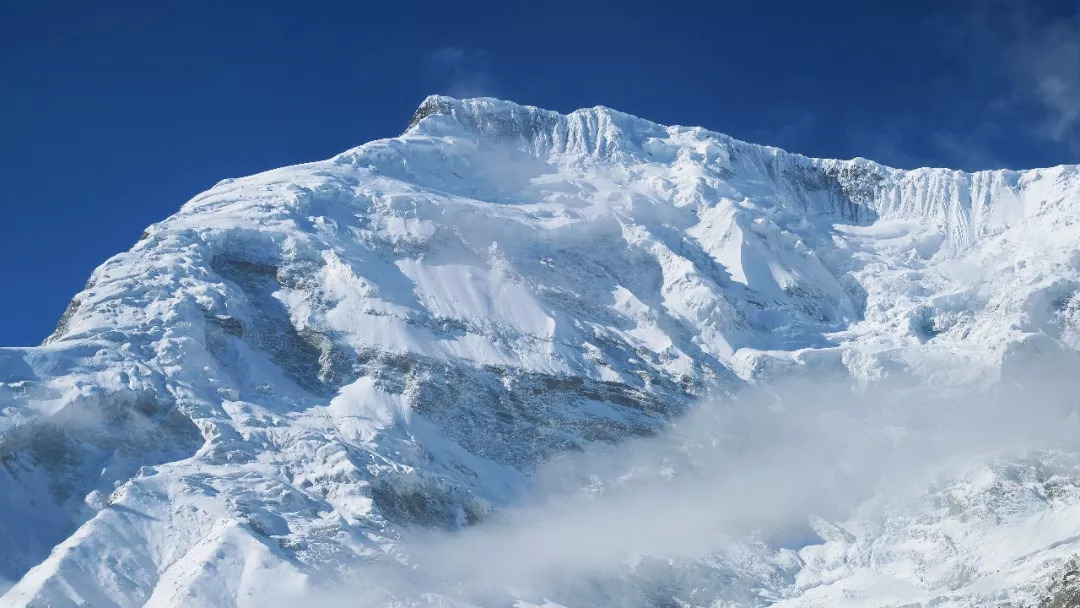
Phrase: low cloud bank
(749, 472)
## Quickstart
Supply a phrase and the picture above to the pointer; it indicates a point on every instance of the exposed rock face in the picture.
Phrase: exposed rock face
(1064, 588)
(277, 380)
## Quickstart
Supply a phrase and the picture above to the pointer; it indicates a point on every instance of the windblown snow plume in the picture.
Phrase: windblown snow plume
(518, 358)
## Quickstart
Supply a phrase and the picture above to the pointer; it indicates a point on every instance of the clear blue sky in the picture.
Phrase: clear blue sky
(114, 114)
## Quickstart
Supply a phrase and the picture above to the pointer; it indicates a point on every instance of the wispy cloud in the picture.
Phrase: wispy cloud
(1046, 60)
(463, 72)
(1037, 51)
(789, 128)
(761, 468)
(884, 143)
(1021, 60)
(969, 151)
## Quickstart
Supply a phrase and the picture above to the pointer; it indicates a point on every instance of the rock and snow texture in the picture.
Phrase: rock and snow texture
(277, 380)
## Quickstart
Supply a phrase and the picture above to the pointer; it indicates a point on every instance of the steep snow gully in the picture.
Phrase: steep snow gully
(282, 384)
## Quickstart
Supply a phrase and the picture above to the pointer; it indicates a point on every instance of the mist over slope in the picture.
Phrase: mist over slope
(518, 356)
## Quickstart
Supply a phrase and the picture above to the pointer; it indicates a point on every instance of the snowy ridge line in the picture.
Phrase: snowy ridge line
(958, 201)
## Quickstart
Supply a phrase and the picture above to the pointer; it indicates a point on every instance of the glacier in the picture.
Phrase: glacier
(279, 384)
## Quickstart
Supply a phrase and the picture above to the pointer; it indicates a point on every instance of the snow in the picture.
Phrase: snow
(268, 389)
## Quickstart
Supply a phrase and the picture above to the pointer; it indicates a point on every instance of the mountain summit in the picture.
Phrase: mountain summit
(277, 383)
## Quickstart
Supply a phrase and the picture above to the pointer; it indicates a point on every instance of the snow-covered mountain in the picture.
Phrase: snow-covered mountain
(275, 383)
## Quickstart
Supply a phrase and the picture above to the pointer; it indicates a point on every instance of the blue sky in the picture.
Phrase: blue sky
(114, 114)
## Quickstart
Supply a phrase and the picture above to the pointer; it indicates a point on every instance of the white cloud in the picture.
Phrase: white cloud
(1038, 51)
(1046, 59)
(760, 468)
(463, 72)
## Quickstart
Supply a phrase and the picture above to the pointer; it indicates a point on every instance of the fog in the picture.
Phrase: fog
(736, 474)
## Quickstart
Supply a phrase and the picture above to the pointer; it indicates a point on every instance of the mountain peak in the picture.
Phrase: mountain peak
(470, 109)
(280, 380)
(592, 131)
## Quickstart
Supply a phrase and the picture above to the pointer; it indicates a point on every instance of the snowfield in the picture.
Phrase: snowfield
(499, 361)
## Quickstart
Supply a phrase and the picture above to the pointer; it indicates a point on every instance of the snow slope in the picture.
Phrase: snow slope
(278, 379)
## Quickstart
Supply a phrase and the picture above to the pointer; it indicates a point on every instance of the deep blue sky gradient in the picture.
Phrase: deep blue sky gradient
(112, 115)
